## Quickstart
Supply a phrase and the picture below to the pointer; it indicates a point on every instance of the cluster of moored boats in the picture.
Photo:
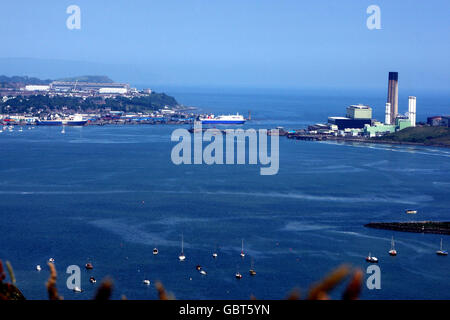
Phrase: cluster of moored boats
(11, 128)
(199, 268)
(393, 252)
(238, 275)
(181, 257)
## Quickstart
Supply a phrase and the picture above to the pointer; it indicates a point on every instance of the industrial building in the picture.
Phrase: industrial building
(358, 120)
(119, 88)
(443, 121)
(111, 90)
(359, 112)
(348, 123)
(402, 122)
(357, 117)
(34, 87)
(378, 129)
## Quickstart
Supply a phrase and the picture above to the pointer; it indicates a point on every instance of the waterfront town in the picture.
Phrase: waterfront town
(96, 103)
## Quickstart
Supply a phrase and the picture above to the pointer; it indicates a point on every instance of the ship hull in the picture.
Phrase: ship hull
(49, 123)
(223, 122)
(75, 123)
(60, 123)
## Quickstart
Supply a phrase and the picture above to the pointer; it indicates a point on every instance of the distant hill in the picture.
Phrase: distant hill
(439, 136)
(31, 80)
(101, 79)
(22, 79)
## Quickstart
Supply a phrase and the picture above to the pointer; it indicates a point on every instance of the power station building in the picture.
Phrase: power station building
(359, 120)
(357, 117)
(359, 112)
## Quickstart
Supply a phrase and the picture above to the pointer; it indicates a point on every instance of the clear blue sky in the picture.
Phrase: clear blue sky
(255, 43)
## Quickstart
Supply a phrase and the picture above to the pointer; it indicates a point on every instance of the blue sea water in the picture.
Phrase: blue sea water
(109, 195)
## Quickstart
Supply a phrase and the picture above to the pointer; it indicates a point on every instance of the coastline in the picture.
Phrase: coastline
(395, 142)
(363, 140)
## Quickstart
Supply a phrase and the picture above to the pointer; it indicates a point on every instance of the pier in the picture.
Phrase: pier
(437, 227)
(307, 137)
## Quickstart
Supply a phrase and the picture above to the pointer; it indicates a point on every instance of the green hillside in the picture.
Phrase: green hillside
(423, 135)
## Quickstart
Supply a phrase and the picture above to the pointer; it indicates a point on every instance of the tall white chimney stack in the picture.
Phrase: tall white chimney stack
(412, 110)
(387, 119)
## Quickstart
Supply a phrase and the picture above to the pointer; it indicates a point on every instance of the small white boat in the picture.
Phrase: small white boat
(155, 251)
(214, 255)
(442, 252)
(92, 280)
(203, 272)
(182, 257)
(252, 269)
(410, 211)
(77, 289)
(146, 282)
(393, 252)
(371, 259)
(51, 260)
(242, 250)
(38, 268)
(238, 275)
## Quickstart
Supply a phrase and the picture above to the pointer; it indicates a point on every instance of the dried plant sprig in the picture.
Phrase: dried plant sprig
(2, 272)
(321, 289)
(353, 289)
(162, 293)
(51, 284)
(11, 272)
(105, 290)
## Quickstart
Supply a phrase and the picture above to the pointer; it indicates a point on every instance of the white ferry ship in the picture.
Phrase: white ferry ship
(76, 120)
(222, 119)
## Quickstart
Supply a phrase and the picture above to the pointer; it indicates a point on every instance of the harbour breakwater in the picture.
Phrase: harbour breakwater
(437, 227)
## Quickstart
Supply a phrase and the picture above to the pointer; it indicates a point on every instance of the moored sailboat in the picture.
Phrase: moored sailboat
(441, 252)
(182, 257)
(393, 252)
(371, 258)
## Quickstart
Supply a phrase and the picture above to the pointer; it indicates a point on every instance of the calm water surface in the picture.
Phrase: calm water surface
(111, 194)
